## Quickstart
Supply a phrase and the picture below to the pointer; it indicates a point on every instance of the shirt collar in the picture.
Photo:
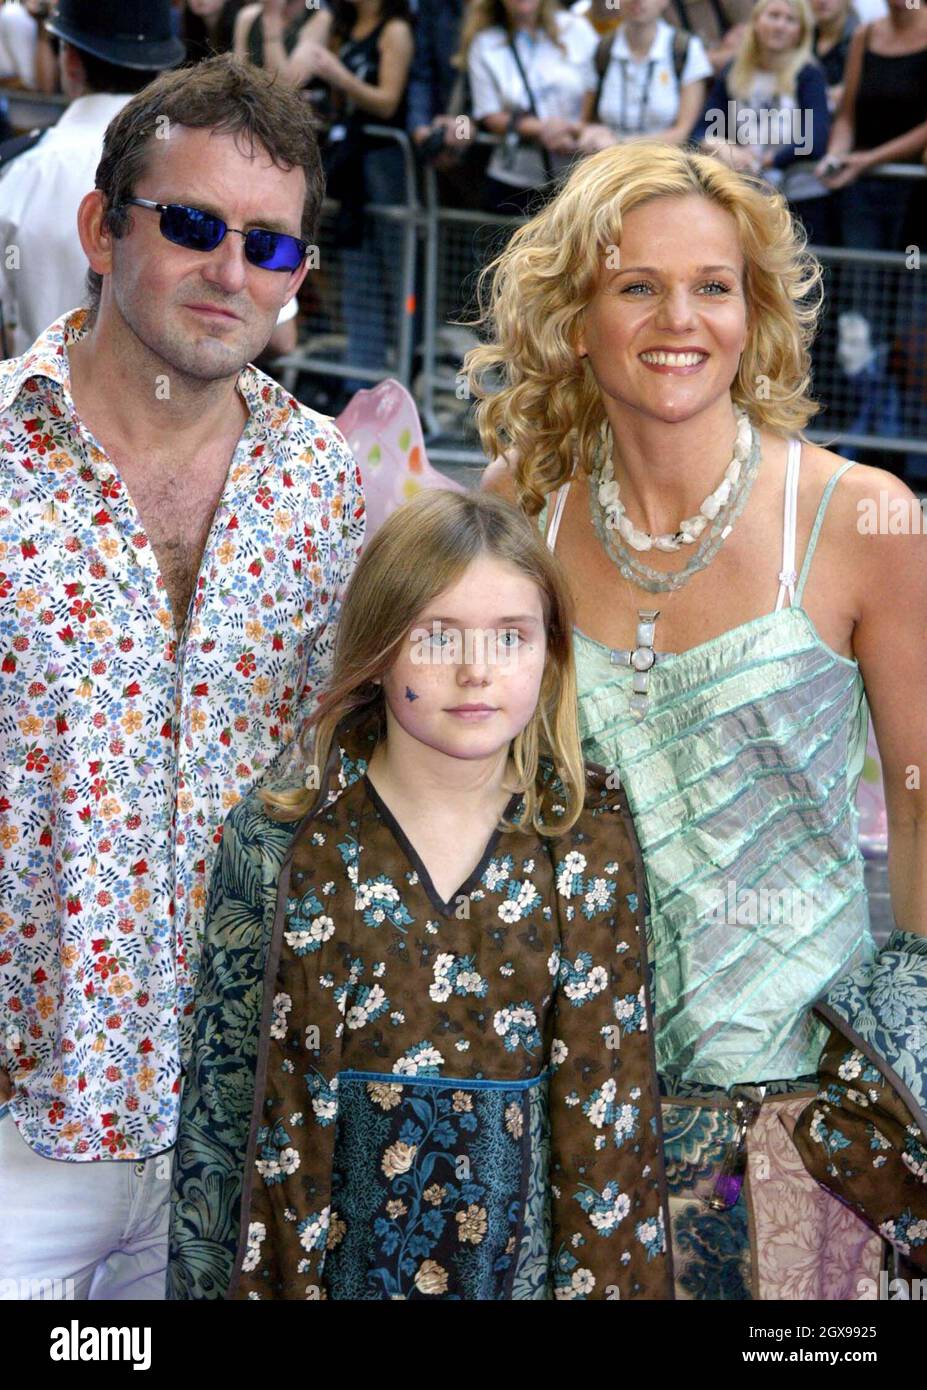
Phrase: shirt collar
(269, 405)
(620, 45)
(46, 358)
(96, 109)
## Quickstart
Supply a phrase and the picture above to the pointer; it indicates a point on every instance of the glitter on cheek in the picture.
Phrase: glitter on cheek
(410, 694)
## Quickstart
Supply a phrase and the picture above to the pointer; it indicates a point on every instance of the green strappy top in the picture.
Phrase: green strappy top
(742, 779)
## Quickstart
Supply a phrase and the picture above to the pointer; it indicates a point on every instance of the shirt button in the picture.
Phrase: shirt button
(140, 1169)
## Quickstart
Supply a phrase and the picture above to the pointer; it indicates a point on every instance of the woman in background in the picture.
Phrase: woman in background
(835, 22)
(267, 32)
(359, 53)
(767, 111)
(531, 72)
(882, 119)
(651, 81)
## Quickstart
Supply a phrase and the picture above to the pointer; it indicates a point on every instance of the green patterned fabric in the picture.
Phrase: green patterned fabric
(865, 1136)
(219, 1084)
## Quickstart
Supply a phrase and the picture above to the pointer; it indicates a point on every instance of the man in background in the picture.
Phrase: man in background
(109, 49)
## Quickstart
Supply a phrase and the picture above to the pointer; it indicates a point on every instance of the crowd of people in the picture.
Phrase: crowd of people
(810, 94)
(312, 985)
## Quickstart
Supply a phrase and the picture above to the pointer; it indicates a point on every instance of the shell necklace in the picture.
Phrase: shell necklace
(719, 510)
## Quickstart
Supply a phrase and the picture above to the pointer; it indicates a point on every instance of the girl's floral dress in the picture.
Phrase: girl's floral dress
(454, 1099)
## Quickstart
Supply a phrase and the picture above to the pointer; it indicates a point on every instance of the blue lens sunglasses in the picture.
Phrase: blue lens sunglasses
(201, 231)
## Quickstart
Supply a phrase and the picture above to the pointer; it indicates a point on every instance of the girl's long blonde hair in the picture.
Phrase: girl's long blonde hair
(419, 551)
(537, 400)
(492, 14)
(747, 61)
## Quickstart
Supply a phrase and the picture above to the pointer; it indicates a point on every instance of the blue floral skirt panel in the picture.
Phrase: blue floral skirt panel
(439, 1189)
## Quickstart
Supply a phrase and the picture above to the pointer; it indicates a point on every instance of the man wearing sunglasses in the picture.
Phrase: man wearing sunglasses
(175, 533)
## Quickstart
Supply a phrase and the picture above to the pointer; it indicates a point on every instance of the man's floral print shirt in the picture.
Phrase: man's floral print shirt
(123, 746)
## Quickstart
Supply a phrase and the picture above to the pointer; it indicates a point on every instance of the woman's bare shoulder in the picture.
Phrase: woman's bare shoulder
(869, 510)
(859, 483)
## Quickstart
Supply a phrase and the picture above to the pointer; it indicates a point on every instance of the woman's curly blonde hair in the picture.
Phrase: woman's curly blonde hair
(548, 408)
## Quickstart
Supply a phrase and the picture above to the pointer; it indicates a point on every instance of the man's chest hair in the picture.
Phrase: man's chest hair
(176, 512)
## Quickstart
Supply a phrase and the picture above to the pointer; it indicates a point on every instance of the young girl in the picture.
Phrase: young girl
(454, 1094)
(652, 81)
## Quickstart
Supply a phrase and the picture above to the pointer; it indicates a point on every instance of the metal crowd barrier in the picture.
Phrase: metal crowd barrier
(371, 296)
(869, 359)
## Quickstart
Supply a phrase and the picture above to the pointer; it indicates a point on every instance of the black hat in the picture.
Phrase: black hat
(129, 33)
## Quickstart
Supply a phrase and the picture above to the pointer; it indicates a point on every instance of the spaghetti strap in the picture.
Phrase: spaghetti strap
(787, 574)
(818, 523)
(554, 527)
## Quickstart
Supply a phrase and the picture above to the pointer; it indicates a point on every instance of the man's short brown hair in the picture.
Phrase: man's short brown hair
(224, 94)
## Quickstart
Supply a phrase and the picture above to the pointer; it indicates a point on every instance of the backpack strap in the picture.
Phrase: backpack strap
(680, 53)
(603, 54)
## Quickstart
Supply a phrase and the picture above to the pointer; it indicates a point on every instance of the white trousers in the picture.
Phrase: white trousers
(81, 1230)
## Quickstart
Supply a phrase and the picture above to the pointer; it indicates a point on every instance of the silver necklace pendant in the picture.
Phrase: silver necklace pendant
(641, 660)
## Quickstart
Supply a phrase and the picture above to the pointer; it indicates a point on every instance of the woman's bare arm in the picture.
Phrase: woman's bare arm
(890, 643)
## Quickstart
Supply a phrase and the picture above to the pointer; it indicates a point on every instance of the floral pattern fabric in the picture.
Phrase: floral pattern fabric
(784, 1239)
(416, 1060)
(439, 1207)
(123, 745)
(864, 1137)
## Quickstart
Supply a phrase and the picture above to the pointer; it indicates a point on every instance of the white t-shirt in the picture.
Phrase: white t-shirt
(869, 10)
(632, 84)
(559, 79)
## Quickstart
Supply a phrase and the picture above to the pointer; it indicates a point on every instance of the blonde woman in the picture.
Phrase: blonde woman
(454, 969)
(735, 625)
(532, 77)
(767, 111)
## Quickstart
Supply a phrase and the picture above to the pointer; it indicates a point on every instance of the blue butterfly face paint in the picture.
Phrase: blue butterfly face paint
(410, 693)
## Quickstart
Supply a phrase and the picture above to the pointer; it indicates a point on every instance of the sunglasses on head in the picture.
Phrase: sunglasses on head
(201, 231)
